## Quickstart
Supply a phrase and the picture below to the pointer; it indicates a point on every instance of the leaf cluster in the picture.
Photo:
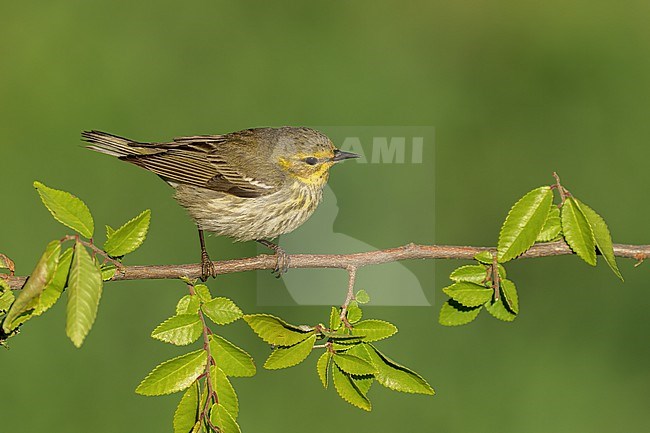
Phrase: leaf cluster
(350, 359)
(533, 218)
(80, 269)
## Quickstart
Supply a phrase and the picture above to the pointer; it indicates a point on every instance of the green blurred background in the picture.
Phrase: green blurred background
(515, 90)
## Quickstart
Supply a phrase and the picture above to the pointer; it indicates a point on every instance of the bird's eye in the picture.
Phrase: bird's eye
(311, 160)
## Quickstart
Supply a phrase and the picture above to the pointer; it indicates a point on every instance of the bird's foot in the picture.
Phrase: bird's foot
(282, 258)
(207, 267)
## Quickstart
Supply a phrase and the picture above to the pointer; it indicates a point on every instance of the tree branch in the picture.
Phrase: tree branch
(344, 261)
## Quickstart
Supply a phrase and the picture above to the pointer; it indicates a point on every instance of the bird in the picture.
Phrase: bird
(249, 185)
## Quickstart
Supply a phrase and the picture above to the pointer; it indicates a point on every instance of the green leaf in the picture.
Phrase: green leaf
(499, 311)
(524, 223)
(335, 319)
(323, 367)
(484, 257)
(470, 273)
(109, 231)
(509, 290)
(28, 298)
(84, 291)
(175, 374)
(362, 297)
(223, 419)
(180, 330)
(203, 292)
(348, 390)
(469, 294)
(230, 358)
(454, 314)
(577, 231)
(187, 412)
(55, 286)
(6, 296)
(374, 330)
(552, 226)
(290, 356)
(601, 235)
(67, 209)
(354, 313)
(188, 304)
(353, 364)
(395, 376)
(276, 331)
(129, 237)
(225, 391)
(222, 311)
(108, 272)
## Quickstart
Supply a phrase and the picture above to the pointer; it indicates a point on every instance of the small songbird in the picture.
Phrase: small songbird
(255, 184)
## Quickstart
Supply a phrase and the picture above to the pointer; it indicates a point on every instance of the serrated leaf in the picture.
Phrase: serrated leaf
(374, 330)
(109, 231)
(348, 390)
(353, 364)
(6, 296)
(601, 235)
(180, 330)
(470, 273)
(454, 314)
(323, 367)
(55, 286)
(395, 376)
(230, 358)
(188, 304)
(524, 223)
(223, 419)
(335, 319)
(468, 294)
(509, 290)
(67, 209)
(577, 231)
(175, 374)
(354, 313)
(222, 311)
(274, 330)
(225, 391)
(362, 297)
(363, 383)
(108, 272)
(187, 411)
(290, 356)
(498, 310)
(484, 257)
(203, 292)
(129, 237)
(28, 298)
(552, 226)
(84, 291)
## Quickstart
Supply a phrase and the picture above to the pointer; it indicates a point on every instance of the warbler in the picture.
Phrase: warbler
(255, 184)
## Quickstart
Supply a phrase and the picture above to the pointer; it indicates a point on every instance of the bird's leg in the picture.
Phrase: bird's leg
(282, 263)
(207, 267)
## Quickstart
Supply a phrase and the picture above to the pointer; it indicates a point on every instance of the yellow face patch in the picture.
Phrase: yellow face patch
(311, 174)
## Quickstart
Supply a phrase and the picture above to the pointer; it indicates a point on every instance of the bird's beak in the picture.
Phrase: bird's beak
(340, 155)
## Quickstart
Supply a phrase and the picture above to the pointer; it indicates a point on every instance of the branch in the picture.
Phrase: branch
(344, 261)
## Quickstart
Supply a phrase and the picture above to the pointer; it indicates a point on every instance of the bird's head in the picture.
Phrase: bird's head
(307, 155)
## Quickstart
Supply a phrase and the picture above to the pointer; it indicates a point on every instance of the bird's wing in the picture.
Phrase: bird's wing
(219, 163)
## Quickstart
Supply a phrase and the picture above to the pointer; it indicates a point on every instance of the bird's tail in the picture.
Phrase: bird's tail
(109, 144)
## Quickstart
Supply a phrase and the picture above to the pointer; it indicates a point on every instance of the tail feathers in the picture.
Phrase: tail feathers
(109, 144)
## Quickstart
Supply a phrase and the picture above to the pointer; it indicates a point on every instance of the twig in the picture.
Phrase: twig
(344, 261)
(352, 273)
